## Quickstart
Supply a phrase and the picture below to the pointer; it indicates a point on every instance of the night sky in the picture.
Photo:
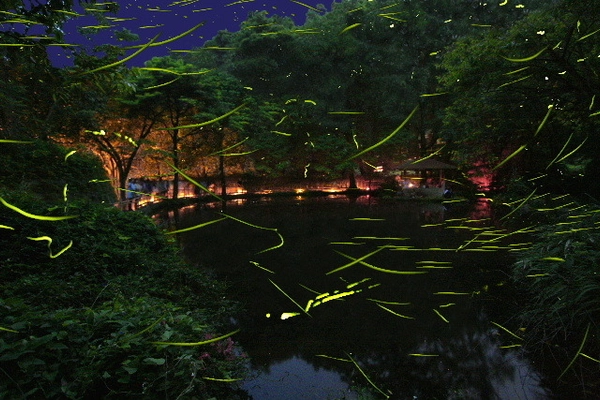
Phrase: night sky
(170, 18)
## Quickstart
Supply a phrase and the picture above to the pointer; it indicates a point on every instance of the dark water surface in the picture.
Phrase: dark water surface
(430, 332)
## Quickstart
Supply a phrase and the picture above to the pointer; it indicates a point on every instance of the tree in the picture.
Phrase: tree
(118, 144)
(201, 112)
(170, 91)
(351, 76)
(540, 66)
(225, 138)
(38, 99)
(60, 299)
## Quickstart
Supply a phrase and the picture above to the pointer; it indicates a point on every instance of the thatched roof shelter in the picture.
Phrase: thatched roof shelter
(425, 176)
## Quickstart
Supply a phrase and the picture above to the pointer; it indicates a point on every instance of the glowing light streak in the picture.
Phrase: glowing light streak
(184, 344)
(212, 121)
(423, 355)
(292, 300)
(533, 57)
(34, 216)
(306, 5)
(391, 135)
(49, 240)
(191, 228)
(354, 260)
(346, 29)
(261, 228)
(394, 312)
(506, 330)
(441, 316)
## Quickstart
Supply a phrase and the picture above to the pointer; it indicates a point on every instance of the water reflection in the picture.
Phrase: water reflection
(451, 302)
(471, 365)
(295, 378)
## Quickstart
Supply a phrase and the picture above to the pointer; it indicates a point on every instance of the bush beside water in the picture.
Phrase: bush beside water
(559, 278)
(82, 325)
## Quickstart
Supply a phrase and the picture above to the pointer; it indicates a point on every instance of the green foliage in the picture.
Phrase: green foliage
(557, 276)
(376, 59)
(82, 323)
(105, 351)
(560, 274)
(85, 320)
(82, 299)
(44, 168)
(503, 83)
(37, 99)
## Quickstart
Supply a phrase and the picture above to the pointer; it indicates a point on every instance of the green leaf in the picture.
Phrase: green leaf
(130, 370)
(154, 361)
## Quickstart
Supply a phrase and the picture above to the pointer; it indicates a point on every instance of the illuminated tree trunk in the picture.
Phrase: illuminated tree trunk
(352, 179)
(222, 175)
(175, 137)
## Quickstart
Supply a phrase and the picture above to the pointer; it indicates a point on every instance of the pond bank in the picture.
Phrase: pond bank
(156, 207)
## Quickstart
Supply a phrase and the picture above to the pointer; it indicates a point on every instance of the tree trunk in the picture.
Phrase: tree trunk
(176, 163)
(123, 185)
(352, 179)
(222, 176)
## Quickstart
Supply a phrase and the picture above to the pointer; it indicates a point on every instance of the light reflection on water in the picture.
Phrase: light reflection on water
(464, 355)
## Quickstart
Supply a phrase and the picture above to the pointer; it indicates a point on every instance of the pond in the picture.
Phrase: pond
(367, 297)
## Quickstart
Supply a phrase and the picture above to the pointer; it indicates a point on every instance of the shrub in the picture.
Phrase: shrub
(107, 351)
(84, 322)
(43, 168)
(560, 274)
(83, 299)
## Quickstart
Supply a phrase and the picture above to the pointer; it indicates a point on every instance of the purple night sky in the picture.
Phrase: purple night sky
(171, 18)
